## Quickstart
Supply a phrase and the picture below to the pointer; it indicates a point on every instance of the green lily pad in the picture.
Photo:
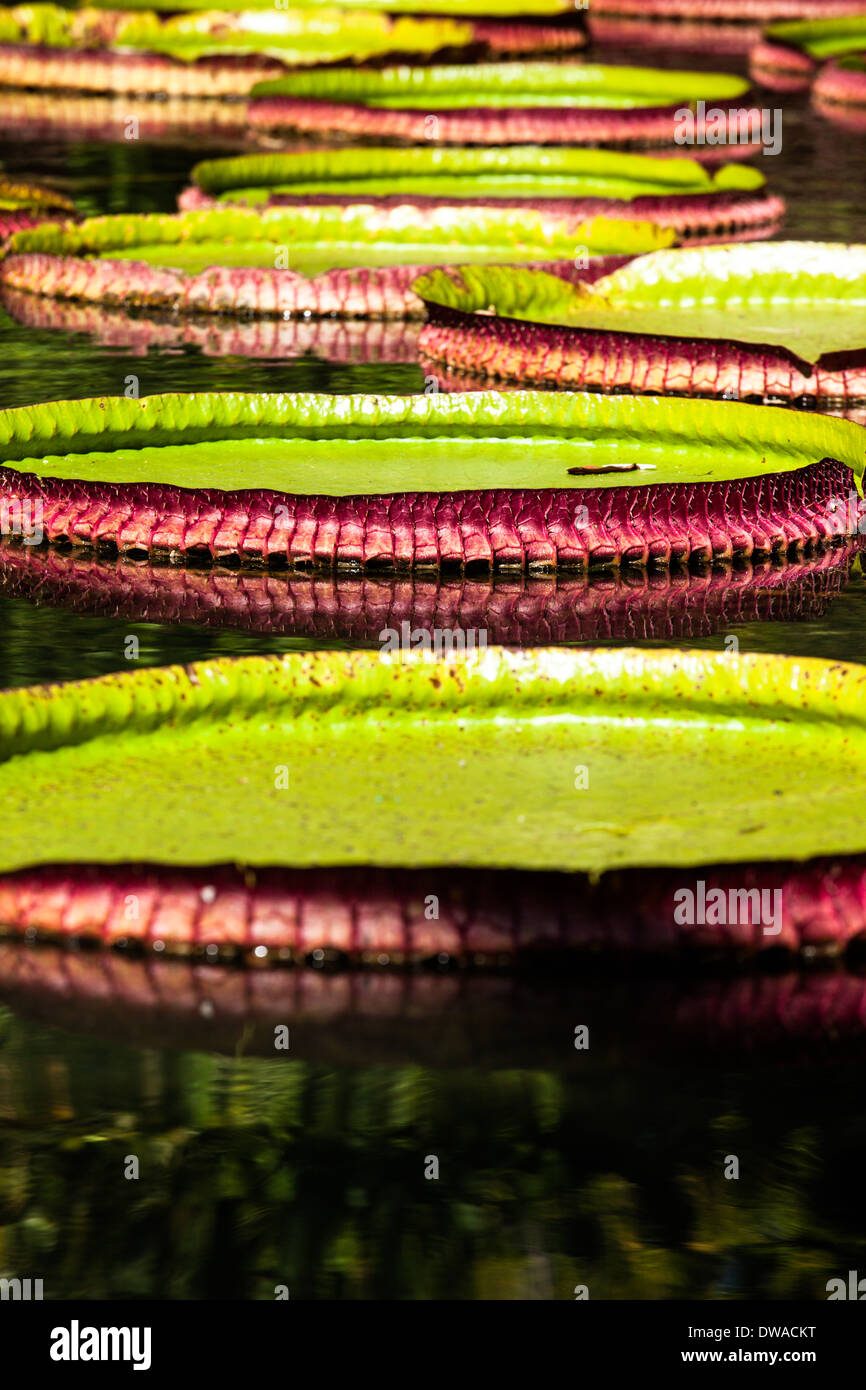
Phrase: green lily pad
(524, 171)
(509, 84)
(312, 240)
(358, 41)
(491, 9)
(348, 445)
(355, 758)
(324, 34)
(31, 197)
(807, 297)
(822, 38)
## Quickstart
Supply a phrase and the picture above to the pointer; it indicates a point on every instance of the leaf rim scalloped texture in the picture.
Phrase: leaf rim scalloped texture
(644, 86)
(658, 282)
(491, 9)
(362, 427)
(692, 698)
(21, 194)
(56, 714)
(362, 35)
(552, 238)
(331, 166)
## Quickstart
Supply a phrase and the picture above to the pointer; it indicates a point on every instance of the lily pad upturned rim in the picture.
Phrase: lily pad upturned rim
(526, 295)
(821, 38)
(526, 231)
(20, 194)
(330, 166)
(70, 712)
(388, 444)
(365, 34)
(538, 79)
(686, 729)
(487, 9)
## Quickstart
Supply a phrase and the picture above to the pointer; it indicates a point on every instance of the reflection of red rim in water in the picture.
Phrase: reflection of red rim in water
(781, 67)
(438, 1018)
(220, 335)
(528, 612)
(847, 117)
(212, 123)
(689, 35)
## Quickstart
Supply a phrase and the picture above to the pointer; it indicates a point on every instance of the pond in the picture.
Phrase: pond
(558, 1165)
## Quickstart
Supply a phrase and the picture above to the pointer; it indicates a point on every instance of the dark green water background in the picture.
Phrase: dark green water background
(556, 1168)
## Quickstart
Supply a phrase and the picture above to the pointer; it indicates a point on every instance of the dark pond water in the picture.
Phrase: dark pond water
(557, 1167)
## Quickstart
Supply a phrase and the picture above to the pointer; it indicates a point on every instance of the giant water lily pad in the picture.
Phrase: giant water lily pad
(29, 204)
(574, 183)
(505, 9)
(840, 90)
(497, 26)
(293, 39)
(790, 56)
(509, 84)
(529, 172)
(700, 25)
(292, 36)
(288, 261)
(349, 758)
(209, 54)
(518, 480)
(16, 196)
(502, 104)
(822, 38)
(782, 318)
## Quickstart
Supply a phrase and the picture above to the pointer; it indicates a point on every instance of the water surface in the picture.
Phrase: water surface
(557, 1167)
